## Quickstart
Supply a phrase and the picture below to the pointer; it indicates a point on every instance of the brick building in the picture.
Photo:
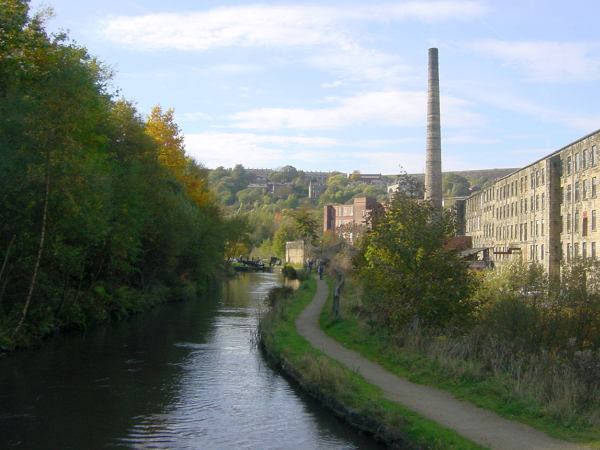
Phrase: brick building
(545, 212)
(348, 219)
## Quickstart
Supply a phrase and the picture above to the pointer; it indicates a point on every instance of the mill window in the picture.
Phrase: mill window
(543, 200)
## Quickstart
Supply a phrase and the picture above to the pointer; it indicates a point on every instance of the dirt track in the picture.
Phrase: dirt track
(481, 426)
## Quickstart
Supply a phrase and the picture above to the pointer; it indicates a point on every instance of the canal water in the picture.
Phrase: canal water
(183, 376)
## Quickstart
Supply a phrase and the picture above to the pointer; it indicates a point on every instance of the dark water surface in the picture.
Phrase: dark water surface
(183, 376)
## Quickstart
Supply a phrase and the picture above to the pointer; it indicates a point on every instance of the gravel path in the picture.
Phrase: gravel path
(481, 426)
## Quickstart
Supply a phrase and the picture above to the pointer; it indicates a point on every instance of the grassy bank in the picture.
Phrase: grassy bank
(433, 363)
(342, 390)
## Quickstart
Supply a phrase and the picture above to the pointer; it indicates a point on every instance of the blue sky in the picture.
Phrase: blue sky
(342, 85)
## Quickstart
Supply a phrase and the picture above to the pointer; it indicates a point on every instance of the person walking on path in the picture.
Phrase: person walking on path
(480, 425)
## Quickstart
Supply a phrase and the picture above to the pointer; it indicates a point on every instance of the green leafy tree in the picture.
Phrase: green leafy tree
(355, 175)
(305, 224)
(101, 214)
(454, 185)
(408, 275)
(286, 232)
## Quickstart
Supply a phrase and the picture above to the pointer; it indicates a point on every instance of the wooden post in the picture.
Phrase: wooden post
(335, 308)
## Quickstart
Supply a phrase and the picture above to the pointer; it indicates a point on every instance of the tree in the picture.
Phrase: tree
(286, 232)
(305, 224)
(237, 237)
(286, 174)
(454, 185)
(100, 213)
(162, 128)
(408, 275)
(355, 175)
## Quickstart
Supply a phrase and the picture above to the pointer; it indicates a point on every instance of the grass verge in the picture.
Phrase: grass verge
(343, 390)
(456, 377)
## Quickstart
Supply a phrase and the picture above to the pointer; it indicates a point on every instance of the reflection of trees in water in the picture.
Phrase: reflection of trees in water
(248, 289)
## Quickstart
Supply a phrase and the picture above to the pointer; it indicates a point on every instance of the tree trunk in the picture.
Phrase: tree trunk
(3, 288)
(40, 249)
(10, 244)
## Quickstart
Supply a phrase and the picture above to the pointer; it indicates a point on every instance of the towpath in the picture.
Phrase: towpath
(481, 426)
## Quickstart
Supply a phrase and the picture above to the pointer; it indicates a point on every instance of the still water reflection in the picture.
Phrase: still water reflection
(184, 376)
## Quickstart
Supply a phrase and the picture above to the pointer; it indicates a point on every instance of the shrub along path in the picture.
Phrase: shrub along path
(479, 425)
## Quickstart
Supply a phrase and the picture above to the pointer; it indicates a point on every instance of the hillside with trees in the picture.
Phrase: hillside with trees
(262, 199)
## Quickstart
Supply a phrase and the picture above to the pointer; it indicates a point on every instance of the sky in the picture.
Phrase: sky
(342, 85)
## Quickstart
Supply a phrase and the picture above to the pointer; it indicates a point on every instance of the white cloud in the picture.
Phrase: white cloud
(580, 122)
(307, 26)
(252, 150)
(397, 108)
(547, 61)
(307, 153)
(468, 139)
(236, 68)
(313, 152)
(193, 116)
(267, 25)
(358, 63)
(333, 84)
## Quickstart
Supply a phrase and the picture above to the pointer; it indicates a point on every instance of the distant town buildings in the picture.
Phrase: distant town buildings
(315, 189)
(367, 178)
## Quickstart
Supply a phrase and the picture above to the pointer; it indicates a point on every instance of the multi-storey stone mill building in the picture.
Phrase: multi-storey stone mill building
(544, 212)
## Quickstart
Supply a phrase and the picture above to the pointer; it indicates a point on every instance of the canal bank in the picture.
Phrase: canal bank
(436, 411)
(183, 376)
(342, 390)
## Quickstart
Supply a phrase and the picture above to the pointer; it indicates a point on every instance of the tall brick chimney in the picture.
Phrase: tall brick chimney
(433, 163)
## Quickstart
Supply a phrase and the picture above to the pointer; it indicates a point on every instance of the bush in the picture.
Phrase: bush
(302, 275)
(277, 294)
(289, 272)
(408, 275)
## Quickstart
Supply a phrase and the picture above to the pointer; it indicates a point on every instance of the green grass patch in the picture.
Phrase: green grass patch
(326, 378)
(460, 379)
